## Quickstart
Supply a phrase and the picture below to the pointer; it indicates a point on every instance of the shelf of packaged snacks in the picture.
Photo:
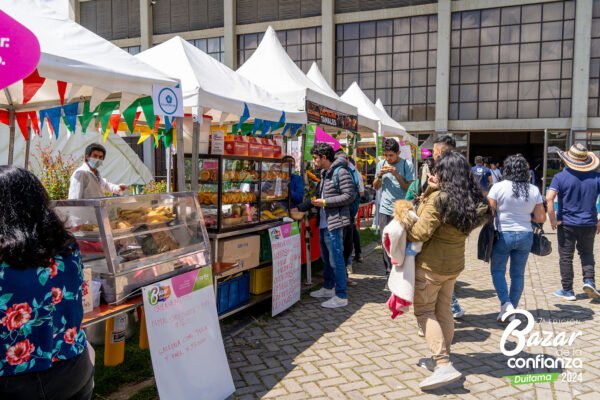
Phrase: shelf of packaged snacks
(254, 299)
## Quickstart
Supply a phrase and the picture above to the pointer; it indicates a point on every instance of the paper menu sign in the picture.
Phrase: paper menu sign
(285, 245)
(188, 355)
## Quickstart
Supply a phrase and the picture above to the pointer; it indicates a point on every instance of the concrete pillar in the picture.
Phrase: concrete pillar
(328, 41)
(74, 13)
(146, 28)
(230, 38)
(581, 64)
(442, 88)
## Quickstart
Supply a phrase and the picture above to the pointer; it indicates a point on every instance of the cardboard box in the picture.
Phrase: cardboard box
(86, 291)
(243, 249)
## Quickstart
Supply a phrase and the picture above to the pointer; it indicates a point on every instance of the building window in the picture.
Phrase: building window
(302, 45)
(512, 62)
(594, 85)
(133, 50)
(211, 46)
(393, 60)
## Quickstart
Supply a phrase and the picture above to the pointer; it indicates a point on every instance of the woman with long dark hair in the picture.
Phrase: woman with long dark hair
(513, 201)
(43, 350)
(451, 208)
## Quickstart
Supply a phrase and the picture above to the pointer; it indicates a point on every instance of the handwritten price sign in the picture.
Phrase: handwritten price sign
(19, 51)
(285, 245)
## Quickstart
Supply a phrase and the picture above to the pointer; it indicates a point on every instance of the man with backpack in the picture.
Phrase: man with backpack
(482, 174)
(393, 176)
(336, 196)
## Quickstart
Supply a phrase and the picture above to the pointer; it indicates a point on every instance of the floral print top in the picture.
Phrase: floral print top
(40, 315)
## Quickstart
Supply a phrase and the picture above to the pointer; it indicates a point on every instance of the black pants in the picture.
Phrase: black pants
(71, 379)
(348, 243)
(356, 237)
(569, 239)
(383, 221)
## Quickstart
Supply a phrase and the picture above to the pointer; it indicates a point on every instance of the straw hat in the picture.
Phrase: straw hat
(579, 158)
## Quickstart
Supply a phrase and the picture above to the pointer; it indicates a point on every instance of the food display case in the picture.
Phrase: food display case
(133, 241)
(238, 192)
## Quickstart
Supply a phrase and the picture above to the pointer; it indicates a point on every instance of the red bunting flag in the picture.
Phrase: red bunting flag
(114, 122)
(62, 88)
(35, 123)
(4, 117)
(31, 85)
(137, 117)
(22, 119)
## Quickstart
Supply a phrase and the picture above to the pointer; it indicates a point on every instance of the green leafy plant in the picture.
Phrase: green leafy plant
(55, 170)
(155, 187)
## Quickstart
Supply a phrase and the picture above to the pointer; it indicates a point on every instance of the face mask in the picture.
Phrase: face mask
(94, 163)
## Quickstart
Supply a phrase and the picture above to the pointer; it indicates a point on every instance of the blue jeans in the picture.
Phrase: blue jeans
(334, 266)
(516, 246)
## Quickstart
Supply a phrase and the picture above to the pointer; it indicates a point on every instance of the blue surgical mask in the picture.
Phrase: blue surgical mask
(94, 163)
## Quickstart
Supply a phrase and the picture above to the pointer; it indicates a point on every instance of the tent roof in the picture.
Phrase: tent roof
(387, 118)
(365, 120)
(271, 68)
(75, 55)
(208, 83)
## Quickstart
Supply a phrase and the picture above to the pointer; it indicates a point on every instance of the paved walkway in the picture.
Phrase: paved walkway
(359, 352)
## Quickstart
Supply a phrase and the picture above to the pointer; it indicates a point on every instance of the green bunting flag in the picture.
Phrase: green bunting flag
(168, 138)
(86, 117)
(148, 110)
(105, 110)
(129, 115)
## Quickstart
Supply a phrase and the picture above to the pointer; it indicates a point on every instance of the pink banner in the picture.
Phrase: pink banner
(19, 51)
(323, 137)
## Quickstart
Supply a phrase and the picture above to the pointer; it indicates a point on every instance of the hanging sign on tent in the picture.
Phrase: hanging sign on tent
(186, 346)
(380, 146)
(19, 51)
(167, 101)
(326, 116)
(310, 141)
(285, 243)
(323, 137)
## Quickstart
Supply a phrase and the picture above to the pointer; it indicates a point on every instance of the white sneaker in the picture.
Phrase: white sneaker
(443, 375)
(323, 293)
(335, 302)
(506, 307)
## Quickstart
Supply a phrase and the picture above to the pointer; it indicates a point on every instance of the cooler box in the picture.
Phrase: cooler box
(261, 280)
(233, 293)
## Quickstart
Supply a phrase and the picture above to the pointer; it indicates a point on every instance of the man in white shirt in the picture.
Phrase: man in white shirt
(496, 173)
(86, 182)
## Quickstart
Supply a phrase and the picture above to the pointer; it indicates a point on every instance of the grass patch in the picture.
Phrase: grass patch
(368, 236)
(136, 368)
(149, 393)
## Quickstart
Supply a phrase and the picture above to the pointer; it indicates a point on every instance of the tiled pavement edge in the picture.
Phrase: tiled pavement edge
(359, 352)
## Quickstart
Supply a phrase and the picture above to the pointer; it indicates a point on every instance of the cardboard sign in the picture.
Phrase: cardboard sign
(285, 246)
(167, 101)
(19, 51)
(186, 346)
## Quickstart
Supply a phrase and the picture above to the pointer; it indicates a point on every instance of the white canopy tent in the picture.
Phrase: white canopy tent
(92, 67)
(366, 122)
(271, 68)
(212, 85)
(389, 120)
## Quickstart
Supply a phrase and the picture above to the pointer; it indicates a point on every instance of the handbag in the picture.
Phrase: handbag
(541, 245)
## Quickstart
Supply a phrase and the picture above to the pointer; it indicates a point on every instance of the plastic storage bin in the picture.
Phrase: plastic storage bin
(233, 293)
(261, 280)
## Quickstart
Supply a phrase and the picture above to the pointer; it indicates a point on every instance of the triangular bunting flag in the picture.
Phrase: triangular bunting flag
(4, 117)
(22, 119)
(266, 127)
(280, 124)
(256, 126)
(168, 122)
(86, 117)
(130, 115)
(104, 113)
(35, 122)
(62, 88)
(245, 115)
(294, 129)
(285, 129)
(70, 119)
(114, 122)
(31, 85)
(168, 138)
(53, 114)
(148, 110)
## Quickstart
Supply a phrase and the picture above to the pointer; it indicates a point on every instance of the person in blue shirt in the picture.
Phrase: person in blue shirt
(482, 174)
(43, 349)
(576, 187)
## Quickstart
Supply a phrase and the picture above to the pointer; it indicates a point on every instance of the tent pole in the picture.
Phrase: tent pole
(196, 121)
(27, 145)
(11, 138)
(180, 156)
(169, 168)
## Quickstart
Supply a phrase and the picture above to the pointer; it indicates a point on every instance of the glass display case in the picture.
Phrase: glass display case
(133, 241)
(237, 192)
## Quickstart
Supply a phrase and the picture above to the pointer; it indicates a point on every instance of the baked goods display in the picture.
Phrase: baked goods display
(273, 175)
(238, 214)
(128, 218)
(207, 198)
(240, 176)
(274, 214)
